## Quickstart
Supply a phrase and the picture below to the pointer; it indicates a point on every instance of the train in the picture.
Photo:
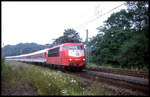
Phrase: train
(66, 55)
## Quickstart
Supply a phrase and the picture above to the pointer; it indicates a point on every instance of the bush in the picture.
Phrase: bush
(135, 52)
(3, 63)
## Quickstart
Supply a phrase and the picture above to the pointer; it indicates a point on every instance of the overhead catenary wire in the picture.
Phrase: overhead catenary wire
(84, 24)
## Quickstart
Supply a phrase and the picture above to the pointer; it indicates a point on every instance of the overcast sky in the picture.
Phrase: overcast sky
(42, 22)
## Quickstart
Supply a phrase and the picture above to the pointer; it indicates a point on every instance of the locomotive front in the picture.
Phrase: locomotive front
(76, 56)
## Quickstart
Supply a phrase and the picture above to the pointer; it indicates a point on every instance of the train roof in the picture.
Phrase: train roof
(67, 44)
(73, 43)
(37, 52)
(64, 44)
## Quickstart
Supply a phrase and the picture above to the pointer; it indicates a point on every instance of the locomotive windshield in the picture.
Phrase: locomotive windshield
(76, 51)
(77, 47)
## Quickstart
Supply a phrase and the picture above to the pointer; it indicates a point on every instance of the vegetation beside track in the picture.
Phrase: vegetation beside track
(46, 81)
(117, 67)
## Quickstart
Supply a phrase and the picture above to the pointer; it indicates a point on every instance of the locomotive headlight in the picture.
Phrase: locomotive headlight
(70, 59)
(83, 59)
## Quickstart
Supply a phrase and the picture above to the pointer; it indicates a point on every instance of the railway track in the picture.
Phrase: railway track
(121, 72)
(130, 85)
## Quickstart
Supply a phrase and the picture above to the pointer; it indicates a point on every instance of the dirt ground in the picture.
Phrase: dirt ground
(17, 89)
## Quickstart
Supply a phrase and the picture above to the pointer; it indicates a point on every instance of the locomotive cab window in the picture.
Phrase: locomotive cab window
(77, 47)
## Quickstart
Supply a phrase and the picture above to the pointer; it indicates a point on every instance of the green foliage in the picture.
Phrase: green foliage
(135, 51)
(123, 39)
(120, 20)
(3, 63)
(70, 36)
(139, 13)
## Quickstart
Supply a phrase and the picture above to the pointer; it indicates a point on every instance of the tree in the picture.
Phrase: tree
(119, 20)
(69, 36)
(135, 51)
(139, 14)
(115, 33)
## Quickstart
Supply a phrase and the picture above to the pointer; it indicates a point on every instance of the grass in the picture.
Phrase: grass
(117, 67)
(103, 66)
(49, 82)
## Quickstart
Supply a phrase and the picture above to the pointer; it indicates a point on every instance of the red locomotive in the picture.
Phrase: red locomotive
(67, 55)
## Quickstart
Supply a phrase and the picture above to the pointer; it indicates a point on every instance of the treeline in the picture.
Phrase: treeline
(22, 48)
(123, 40)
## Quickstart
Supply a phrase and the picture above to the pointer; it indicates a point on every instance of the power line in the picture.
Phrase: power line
(98, 17)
